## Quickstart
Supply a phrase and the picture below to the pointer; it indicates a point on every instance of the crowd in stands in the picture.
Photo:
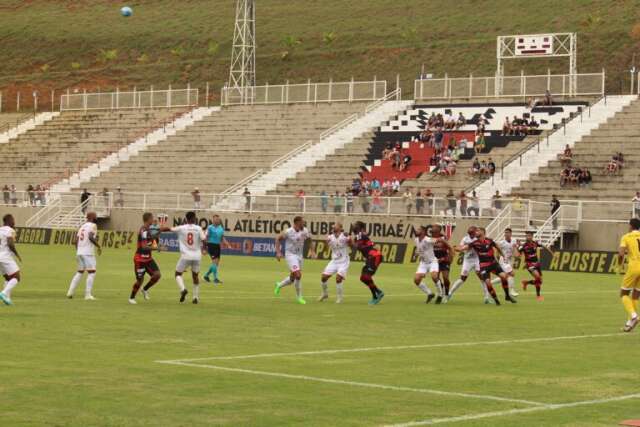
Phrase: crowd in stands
(519, 126)
(33, 195)
(399, 157)
(615, 165)
(484, 168)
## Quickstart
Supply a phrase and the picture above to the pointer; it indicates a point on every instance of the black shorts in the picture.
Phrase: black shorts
(372, 263)
(147, 267)
(444, 266)
(214, 250)
(485, 272)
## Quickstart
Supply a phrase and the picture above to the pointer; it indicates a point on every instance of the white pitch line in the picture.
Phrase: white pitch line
(401, 347)
(353, 383)
(549, 407)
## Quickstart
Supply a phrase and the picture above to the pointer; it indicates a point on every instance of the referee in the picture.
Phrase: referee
(215, 238)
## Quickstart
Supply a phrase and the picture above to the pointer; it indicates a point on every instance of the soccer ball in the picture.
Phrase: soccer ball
(126, 11)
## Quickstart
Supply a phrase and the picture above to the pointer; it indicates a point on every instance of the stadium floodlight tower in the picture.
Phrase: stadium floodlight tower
(242, 75)
(552, 45)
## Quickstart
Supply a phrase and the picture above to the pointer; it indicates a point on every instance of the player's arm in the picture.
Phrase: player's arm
(462, 248)
(11, 244)
(622, 252)
(497, 248)
(516, 251)
(279, 240)
(312, 250)
(94, 241)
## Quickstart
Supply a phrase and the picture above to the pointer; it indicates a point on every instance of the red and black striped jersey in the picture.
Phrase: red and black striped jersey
(364, 244)
(143, 249)
(485, 250)
(530, 251)
(441, 251)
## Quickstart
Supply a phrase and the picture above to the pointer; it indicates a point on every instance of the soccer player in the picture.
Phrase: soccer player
(470, 262)
(86, 245)
(428, 264)
(215, 240)
(143, 261)
(444, 253)
(340, 244)
(509, 249)
(191, 239)
(530, 251)
(486, 248)
(373, 259)
(294, 238)
(630, 289)
(8, 252)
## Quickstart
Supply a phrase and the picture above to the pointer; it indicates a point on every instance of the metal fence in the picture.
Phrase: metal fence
(351, 91)
(510, 86)
(126, 100)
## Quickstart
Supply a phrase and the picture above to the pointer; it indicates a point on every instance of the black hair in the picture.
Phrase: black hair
(297, 219)
(635, 223)
(191, 217)
(509, 230)
(146, 216)
(6, 218)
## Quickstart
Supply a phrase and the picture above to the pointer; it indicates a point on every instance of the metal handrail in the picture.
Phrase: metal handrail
(395, 94)
(335, 128)
(241, 183)
(73, 212)
(51, 206)
(291, 154)
(502, 216)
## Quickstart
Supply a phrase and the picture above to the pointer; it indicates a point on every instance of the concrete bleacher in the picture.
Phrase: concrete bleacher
(8, 120)
(71, 141)
(619, 134)
(223, 148)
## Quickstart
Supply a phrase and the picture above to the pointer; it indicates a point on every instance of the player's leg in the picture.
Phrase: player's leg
(195, 276)
(368, 271)
(329, 271)
(153, 271)
(12, 278)
(292, 262)
(90, 263)
(297, 283)
(215, 253)
(505, 286)
(181, 268)
(629, 287)
(525, 282)
(139, 271)
(458, 283)
(77, 277)
(435, 278)
(486, 279)
(340, 278)
(537, 282)
(418, 279)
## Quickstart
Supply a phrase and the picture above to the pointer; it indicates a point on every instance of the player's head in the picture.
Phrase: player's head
(481, 232)
(436, 230)
(472, 230)
(298, 222)
(215, 220)
(529, 235)
(507, 233)
(634, 224)
(337, 228)
(8, 220)
(359, 227)
(191, 217)
(147, 218)
(92, 217)
(422, 230)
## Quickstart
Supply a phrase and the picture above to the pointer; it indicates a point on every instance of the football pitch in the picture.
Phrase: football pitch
(245, 357)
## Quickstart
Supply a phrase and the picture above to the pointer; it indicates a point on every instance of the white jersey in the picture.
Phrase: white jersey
(190, 238)
(85, 246)
(469, 255)
(424, 248)
(507, 249)
(5, 234)
(294, 241)
(339, 246)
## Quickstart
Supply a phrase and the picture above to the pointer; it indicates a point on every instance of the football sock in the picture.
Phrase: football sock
(213, 269)
(298, 287)
(439, 287)
(74, 283)
(628, 306)
(135, 289)
(180, 282)
(496, 280)
(285, 282)
(511, 281)
(325, 288)
(424, 288)
(89, 287)
(196, 291)
(456, 285)
(446, 285)
(635, 304)
(538, 285)
(339, 290)
(485, 291)
(8, 287)
(150, 284)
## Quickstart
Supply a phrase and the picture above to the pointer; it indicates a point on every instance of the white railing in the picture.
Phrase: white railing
(500, 222)
(351, 91)
(238, 185)
(510, 86)
(396, 94)
(291, 154)
(127, 100)
(550, 230)
(342, 124)
(52, 209)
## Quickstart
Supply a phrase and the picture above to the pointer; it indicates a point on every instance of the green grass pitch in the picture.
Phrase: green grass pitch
(80, 363)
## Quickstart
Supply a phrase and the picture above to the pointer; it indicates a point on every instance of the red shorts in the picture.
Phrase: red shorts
(374, 259)
(144, 267)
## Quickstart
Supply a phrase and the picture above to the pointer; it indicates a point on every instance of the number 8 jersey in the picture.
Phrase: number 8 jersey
(190, 238)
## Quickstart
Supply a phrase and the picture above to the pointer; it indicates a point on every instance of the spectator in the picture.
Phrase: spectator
(338, 202)
(40, 195)
(636, 205)
(300, 195)
(574, 176)
(555, 206)
(14, 195)
(6, 195)
(247, 199)
(324, 201)
(585, 178)
(349, 200)
(451, 203)
(475, 167)
(463, 203)
(378, 204)
(437, 142)
(407, 198)
(196, 198)
(491, 166)
(364, 201)
(479, 144)
(496, 202)
(428, 196)
(105, 197)
(32, 195)
(84, 199)
(506, 126)
(375, 184)
(406, 160)
(386, 187)
(548, 99)
(619, 158)
(461, 120)
(119, 198)
(356, 186)
(566, 156)
(475, 205)
(565, 174)
(396, 160)
(395, 185)
(419, 203)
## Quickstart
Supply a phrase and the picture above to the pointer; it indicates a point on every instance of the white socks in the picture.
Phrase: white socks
(339, 290)
(325, 288)
(285, 282)
(196, 291)
(439, 288)
(8, 286)
(456, 285)
(89, 288)
(180, 282)
(511, 282)
(424, 288)
(75, 281)
(485, 291)
(298, 287)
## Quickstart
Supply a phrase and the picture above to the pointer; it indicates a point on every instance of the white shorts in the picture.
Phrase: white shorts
(294, 262)
(337, 266)
(184, 264)
(468, 266)
(8, 267)
(506, 267)
(86, 262)
(428, 267)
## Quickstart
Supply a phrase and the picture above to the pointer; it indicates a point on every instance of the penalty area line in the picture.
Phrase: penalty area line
(352, 383)
(549, 407)
(401, 347)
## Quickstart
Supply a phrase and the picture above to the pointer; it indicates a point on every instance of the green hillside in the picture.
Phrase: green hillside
(55, 44)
